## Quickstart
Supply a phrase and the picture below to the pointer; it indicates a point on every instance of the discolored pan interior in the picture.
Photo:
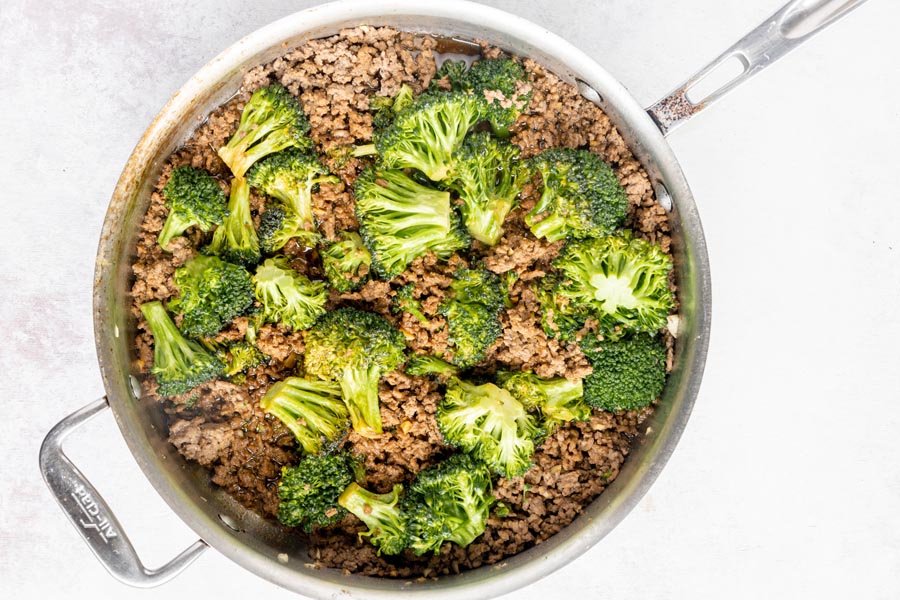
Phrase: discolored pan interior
(262, 546)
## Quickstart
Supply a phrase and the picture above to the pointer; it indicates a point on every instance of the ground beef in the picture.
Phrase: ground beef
(220, 425)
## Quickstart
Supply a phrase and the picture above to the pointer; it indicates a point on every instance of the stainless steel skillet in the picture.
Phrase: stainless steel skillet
(261, 546)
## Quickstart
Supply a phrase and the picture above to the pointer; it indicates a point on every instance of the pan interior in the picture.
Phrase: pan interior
(262, 546)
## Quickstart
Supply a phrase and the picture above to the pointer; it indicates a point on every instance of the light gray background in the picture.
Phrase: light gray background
(786, 483)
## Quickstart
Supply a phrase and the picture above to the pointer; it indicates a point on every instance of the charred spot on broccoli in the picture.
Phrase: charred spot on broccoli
(405, 301)
(312, 410)
(291, 177)
(488, 177)
(382, 515)
(355, 348)
(288, 297)
(235, 240)
(581, 197)
(179, 364)
(272, 120)
(426, 133)
(628, 374)
(400, 220)
(557, 399)
(194, 199)
(490, 424)
(472, 309)
(212, 293)
(346, 262)
(309, 490)
(449, 502)
(622, 280)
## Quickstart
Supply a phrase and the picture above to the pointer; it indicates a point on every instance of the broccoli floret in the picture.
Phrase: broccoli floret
(430, 365)
(290, 176)
(455, 73)
(386, 107)
(400, 220)
(628, 374)
(239, 358)
(448, 503)
(355, 348)
(179, 364)
(425, 134)
(505, 87)
(472, 309)
(309, 490)
(312, 410)
(212, 293)
(288, 297)
(405, 301)
(490, 424)
(194, 200)
(381, 514)
(623, 281)
(346, 262)
(561, 318)
(558, 399)
(581, 198)
(235, 239)
(277, 227)
(272, 120)
(488, 177)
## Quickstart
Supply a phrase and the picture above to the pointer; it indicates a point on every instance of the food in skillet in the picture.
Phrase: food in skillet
(427, 341)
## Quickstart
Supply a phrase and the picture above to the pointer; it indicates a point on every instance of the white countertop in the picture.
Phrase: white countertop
(786, 483)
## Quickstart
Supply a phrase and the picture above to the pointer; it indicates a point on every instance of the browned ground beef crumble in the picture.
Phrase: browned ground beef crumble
(220, 425)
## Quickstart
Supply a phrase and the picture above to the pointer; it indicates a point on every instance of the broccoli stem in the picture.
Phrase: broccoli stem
(174, 226)
(359, 387)
(364, 150)
(380, 513)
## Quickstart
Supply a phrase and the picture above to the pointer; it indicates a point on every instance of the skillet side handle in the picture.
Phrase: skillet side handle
(92, 516)
(793, 24)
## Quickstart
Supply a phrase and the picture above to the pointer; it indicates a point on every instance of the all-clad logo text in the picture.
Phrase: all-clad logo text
(92, 517)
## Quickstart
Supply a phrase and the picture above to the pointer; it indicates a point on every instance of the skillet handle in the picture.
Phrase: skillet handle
(776, 36)
(92, 516)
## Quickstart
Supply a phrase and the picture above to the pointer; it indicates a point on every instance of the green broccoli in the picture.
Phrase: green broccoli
(386, 107)
(430, 365)
(272, 120)
(400, 220)
(490, 424)
(194, 200)
(503, 84)
(288, 297)
(450, 502)
(312, 410)
(239, 357)
(622, 280)
(346, 262)
(488, 177)
(426, 133)
(310, 489)
(558, 399)
(581, 197)
(290, 177)
(405, 301)
(355, 348)
(212, 293)
(235, 239)
(179, 364)
(628, 374)
(381, 514)
(454, 71)
(472, 309)
(561, 318)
